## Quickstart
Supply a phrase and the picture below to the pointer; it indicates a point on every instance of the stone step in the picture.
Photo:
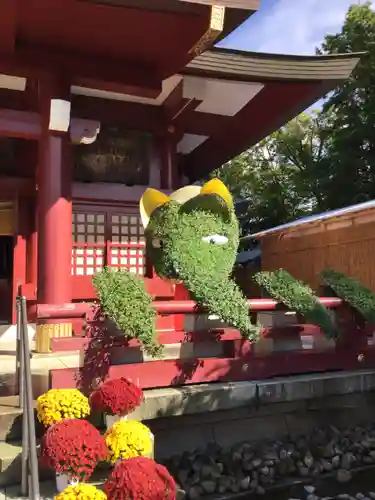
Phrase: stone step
(10, 465)
(10, 418)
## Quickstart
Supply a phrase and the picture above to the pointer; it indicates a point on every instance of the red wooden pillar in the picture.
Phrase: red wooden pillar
(32, 253)
(54, 181)
(167, 153)
(32, 260)
(28, 160)
(54, 208)
(19, 251)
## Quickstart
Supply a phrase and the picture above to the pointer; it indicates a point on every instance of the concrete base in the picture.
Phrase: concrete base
(192, 417)
(209, 398)
(267, 422)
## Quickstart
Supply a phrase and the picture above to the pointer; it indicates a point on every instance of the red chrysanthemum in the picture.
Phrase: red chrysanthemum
(73, 447)
(140, 478)
(116, 397)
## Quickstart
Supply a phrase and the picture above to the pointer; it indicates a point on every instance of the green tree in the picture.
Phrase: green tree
(281, 177)
(321, 161)
(351, 149)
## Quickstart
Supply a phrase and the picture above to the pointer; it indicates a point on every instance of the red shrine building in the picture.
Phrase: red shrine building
(100, 99)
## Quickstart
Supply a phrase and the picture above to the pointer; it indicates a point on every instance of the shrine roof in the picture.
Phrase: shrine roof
(250, 66)
(218, 105)
(155, 37)
(258, 94)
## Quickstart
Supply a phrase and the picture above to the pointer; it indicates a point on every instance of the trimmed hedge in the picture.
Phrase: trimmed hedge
(124, 299)
(351, 291)
(298, 297)
(196, 244)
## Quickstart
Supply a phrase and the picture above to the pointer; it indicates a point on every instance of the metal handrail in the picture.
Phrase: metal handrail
(29, 459)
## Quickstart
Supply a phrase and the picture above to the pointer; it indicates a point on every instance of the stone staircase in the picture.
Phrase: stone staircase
(11, 441)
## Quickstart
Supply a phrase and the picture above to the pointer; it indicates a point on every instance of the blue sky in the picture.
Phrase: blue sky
(289, 26)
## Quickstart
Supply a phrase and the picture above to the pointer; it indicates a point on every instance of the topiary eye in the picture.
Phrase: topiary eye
(215, 239)
(157, 242)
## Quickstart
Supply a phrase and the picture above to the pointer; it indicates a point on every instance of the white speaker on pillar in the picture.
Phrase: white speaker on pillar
(84, 131)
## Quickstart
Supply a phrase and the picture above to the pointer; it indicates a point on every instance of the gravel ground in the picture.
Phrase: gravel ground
(321, 466)
(258, 467)
(361, 487)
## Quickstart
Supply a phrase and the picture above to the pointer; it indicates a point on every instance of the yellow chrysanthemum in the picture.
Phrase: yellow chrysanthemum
(81, 491)
(59, 404)
(128, 439)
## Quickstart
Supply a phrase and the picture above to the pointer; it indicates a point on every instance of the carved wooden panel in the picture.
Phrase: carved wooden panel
(119, 156)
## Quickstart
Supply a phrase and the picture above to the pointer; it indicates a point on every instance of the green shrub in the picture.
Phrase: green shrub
(298, 297)
(351, 291)
(124, 299)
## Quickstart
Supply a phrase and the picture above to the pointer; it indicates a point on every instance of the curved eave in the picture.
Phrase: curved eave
(290, 85)
(253, 66)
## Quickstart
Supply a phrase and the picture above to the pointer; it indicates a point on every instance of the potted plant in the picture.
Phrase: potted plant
(128, 439)
(81, 491)
(116, 398)
(73, 448)
(58, 404)
(140, 478)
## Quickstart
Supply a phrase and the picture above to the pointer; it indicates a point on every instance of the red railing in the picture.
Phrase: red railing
(47, 311)
(210, 354)
(255, 305)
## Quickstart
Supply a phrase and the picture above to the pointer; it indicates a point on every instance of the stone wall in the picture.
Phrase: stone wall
(193, 417)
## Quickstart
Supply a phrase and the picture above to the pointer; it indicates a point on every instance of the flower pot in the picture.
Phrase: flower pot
(63, 481)
(111, 419)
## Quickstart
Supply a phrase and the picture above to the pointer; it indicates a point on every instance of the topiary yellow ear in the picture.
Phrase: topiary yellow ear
(215, 186)
(150, 201)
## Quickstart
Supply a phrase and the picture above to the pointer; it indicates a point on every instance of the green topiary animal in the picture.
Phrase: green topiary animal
(192, 237)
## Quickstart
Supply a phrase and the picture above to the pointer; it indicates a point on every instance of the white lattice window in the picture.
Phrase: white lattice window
(88, 231)
(87, 261)
(127, 238)
(101, 239)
